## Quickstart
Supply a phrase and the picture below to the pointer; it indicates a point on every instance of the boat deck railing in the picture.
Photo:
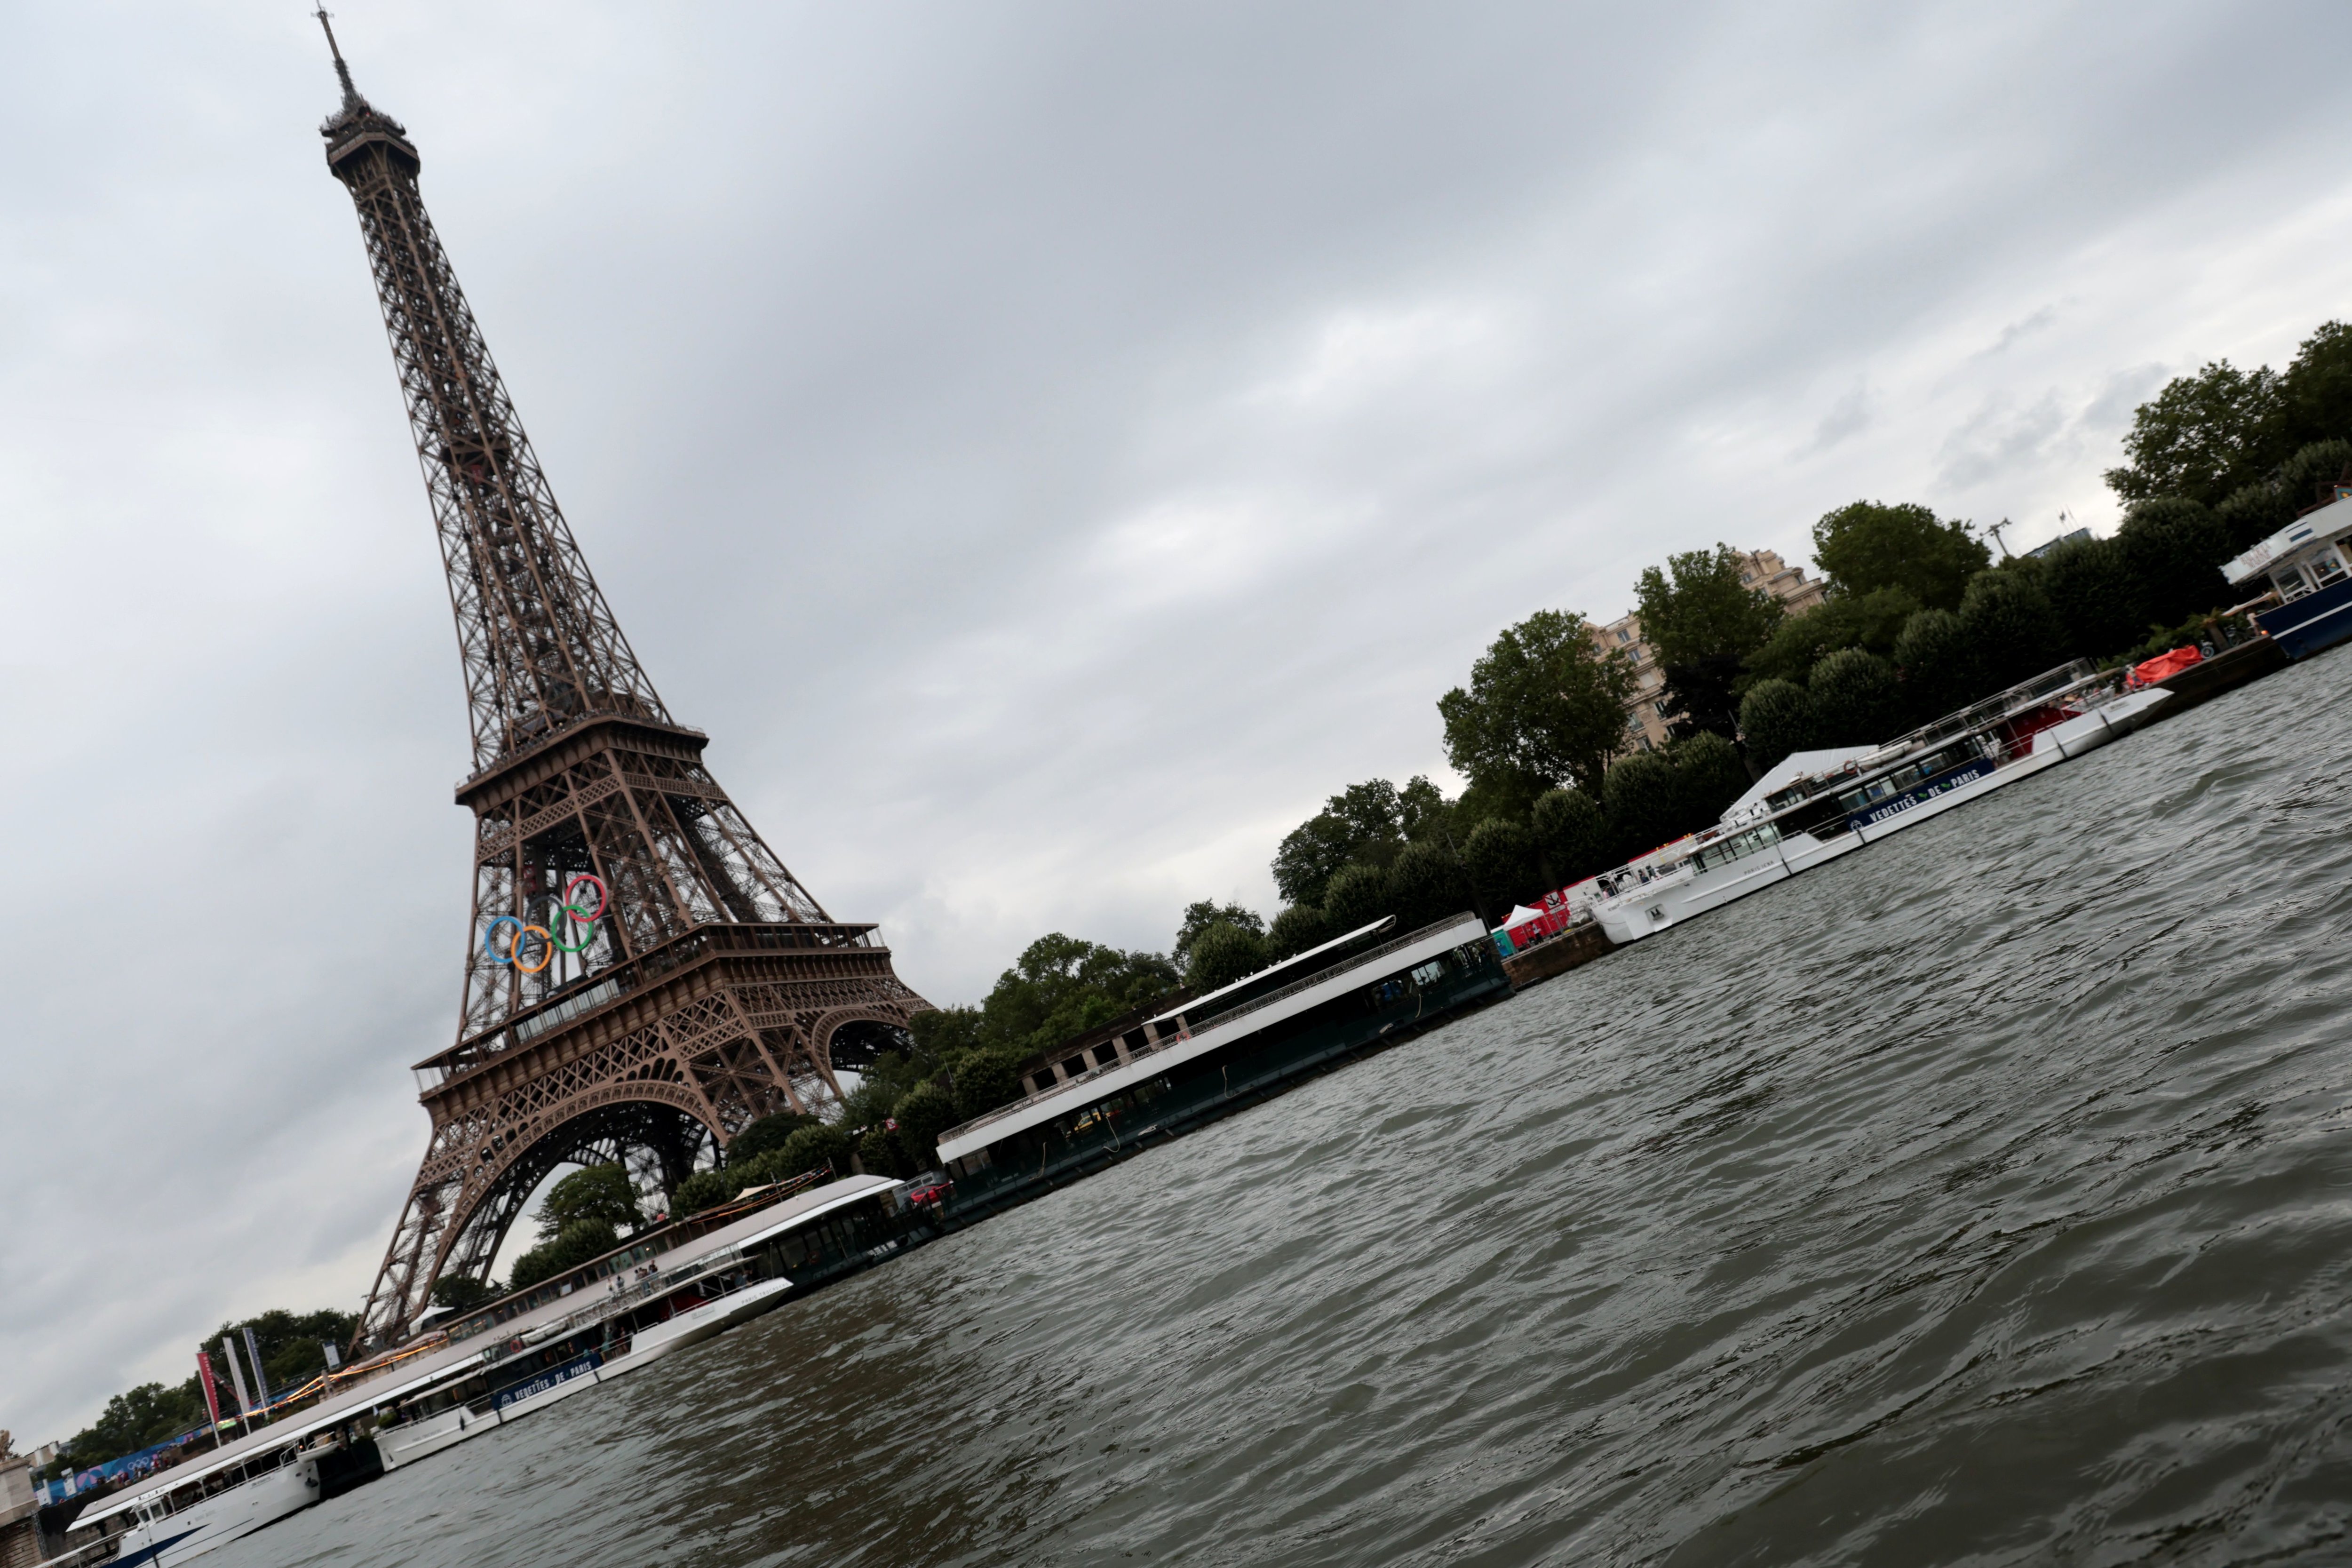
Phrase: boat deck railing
(1321, 976)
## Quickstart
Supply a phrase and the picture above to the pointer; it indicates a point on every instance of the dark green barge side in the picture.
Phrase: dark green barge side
(1218, 1054)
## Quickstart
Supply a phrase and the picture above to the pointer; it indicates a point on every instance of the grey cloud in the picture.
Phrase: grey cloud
(1048, 447)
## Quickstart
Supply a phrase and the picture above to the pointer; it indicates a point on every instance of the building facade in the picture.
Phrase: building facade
(1652, 709)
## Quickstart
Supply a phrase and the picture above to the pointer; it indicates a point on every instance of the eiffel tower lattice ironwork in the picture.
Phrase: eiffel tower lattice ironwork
(715, 989)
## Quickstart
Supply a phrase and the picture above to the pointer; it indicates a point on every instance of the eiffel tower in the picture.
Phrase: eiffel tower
(702, 986)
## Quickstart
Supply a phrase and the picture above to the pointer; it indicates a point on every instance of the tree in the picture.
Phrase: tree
(2315, 396)
(1298, 929)
(2093, 593)
(880, 1154)
(814, 1148)
(1426, 885)
(1702, 625)
(1856, 700)
(1776, 718)
(2202, 437)
(1869, 545)
(767, 1133)
(704, 1190)
(984, 1080)
(1199, 917)
(1544, 707)
(923, 1116)
(944, 1031)
(1572, 835)
(1871, 620)
(1362, 824)
(1504, 866)
(602, 1194)
(1062, 986)
(1644, 807)
(2011, 625)
(581, 1241)
(459, 1294)
(2174, 548)
(1708, 776)
(1356, 898)
(1223, 955)
(1940, 665)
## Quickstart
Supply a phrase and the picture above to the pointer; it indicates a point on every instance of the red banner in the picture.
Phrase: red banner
(212, 1394)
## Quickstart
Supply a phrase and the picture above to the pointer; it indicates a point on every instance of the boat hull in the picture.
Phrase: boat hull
(408, 1444)
(2303, 627)
(214, 1521)
(1683, 894)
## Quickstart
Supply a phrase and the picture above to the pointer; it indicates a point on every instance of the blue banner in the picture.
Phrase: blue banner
(1900, 804)
(554, 1377)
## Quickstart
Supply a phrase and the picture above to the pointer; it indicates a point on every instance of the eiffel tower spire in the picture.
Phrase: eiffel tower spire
(711, 988)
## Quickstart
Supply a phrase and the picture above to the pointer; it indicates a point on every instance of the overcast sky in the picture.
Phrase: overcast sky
(1048, 448)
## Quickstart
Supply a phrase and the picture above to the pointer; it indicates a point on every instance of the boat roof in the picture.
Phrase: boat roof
(1293, 961)
(1789, 770)
(458, 1359)
(1064, 1098)
(2319, 526)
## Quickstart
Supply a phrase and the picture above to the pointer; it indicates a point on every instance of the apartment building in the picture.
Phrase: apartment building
(1650, 708)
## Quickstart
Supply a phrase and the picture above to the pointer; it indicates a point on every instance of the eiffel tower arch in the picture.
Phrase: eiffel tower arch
(642, 976)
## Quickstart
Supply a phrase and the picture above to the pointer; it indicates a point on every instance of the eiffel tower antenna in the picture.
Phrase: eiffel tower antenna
(681, 981)
(342, 72)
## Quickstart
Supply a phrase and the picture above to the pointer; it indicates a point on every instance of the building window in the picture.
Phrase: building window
(1664, 706)
(1624, 635)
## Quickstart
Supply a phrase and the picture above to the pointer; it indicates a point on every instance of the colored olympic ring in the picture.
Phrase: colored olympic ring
(569, 913)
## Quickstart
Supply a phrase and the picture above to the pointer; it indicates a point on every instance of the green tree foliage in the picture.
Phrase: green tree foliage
(1199, 917)
(2174, 548)
(1708, 776)
(2011, 626)
(2202, 437)
(1940, 665)
(1702, 624)
(1871, 620)
(1856, 700)
(1426, 884)
(2094, 594)
(1366, 824)
(984, 1080)
(2315, 396)
(1224, 952)
(880, 1153)
(767, 1133)
(1869, 545)
(942, 1032)
(1504, 865)
(1356, 898)
(1776, 718)
(1062, 986)
(1644, 805)
(581, 1241)
(923, 1116)
(813, 1148)
(1571, 835)
(704, 1190)
(1298, 929)
(459, 1294)
(602, 1194)
(1544, 708)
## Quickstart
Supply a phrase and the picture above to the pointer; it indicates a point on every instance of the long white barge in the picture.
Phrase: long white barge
(454, 1388)
(1819, 805)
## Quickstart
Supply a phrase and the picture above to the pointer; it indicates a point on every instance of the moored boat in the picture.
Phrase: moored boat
(1816, 806)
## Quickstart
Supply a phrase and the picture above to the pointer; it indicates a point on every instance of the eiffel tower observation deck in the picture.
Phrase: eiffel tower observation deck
(641, 976)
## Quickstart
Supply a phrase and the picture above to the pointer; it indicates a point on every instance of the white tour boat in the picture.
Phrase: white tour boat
(1818, 805)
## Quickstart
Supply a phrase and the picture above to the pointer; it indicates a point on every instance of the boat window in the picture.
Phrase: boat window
(2326, 568)
(2289, 582)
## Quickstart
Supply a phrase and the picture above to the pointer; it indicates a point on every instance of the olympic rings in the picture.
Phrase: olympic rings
(568, 914)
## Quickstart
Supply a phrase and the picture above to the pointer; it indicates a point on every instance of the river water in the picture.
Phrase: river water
(1984, 1197)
